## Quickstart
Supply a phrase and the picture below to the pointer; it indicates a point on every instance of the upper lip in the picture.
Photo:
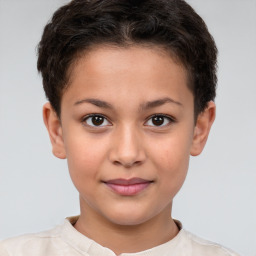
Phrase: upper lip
(126, 182)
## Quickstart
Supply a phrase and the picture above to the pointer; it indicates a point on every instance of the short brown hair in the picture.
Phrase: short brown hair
(171, 24)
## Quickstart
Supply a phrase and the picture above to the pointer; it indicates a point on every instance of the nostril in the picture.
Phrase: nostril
(117, 163)
(127, 165)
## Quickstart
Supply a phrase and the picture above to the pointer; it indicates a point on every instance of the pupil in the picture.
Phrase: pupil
(97, 120)
(158, 120)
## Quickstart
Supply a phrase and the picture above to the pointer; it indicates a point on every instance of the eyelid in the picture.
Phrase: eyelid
(170, 118)
(85, 118)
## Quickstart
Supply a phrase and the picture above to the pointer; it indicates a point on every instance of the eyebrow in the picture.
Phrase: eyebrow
(143, 106)
(158, 103)
(96, 102)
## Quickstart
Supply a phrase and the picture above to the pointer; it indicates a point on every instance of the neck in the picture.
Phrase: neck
(131, 238)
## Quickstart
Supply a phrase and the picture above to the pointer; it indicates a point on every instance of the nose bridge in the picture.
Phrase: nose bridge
(127, 148)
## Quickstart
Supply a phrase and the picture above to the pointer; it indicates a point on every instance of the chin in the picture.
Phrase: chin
(128, 222)
(128, 218)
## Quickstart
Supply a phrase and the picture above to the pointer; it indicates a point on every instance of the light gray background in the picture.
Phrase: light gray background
(218, 200)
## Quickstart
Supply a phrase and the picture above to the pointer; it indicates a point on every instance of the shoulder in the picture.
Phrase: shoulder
(199, 246)
(30, 244)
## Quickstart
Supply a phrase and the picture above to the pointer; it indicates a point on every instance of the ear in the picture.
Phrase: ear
(203, 125)
(53, 125)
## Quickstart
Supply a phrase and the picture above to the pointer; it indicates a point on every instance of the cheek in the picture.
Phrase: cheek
(174, 163)
(171, 151)
(85, 156)
(173, 173)
(171, 159)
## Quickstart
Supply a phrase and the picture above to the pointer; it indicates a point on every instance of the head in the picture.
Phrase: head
(131, 87)
(169, 24)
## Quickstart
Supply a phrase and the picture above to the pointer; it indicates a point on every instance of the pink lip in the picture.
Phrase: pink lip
(128, 187)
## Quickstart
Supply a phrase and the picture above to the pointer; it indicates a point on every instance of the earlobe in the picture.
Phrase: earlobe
(54, 128)
(202, 128)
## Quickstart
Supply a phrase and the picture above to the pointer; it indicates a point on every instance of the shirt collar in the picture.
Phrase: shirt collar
(89, 247)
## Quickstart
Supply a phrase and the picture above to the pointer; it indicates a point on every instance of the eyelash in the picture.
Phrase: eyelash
(169, 118)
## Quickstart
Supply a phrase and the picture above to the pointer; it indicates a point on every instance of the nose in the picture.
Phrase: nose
(127, 148)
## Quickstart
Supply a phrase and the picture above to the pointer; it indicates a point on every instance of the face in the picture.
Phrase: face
(127, 130)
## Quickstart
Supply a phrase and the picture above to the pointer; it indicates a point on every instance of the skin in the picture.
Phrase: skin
(128, 143)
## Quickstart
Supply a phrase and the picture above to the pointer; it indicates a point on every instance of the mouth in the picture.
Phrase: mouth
(128, 187)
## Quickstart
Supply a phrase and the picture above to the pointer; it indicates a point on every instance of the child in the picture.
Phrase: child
(131, 86)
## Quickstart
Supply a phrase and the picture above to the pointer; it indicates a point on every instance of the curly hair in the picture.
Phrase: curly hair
(170, 24)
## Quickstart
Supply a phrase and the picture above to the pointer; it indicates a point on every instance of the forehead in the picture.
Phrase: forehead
(142, 71)
(108, 54)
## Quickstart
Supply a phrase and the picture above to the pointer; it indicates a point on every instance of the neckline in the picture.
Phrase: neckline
(89, 247)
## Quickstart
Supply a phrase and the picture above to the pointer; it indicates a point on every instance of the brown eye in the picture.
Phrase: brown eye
(159, 121)
(96, 121)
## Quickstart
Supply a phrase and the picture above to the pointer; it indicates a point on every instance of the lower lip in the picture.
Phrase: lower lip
(128, 190)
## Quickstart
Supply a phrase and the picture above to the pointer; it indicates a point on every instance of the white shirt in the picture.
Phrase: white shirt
(65, 240)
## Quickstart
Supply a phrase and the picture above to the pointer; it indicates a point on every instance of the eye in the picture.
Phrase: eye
(96, 121)
(159, 120)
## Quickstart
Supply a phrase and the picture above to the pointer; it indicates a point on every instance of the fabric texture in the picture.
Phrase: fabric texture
(65, 240)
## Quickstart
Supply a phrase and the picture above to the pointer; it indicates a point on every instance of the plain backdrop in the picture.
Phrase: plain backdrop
(218, 199)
